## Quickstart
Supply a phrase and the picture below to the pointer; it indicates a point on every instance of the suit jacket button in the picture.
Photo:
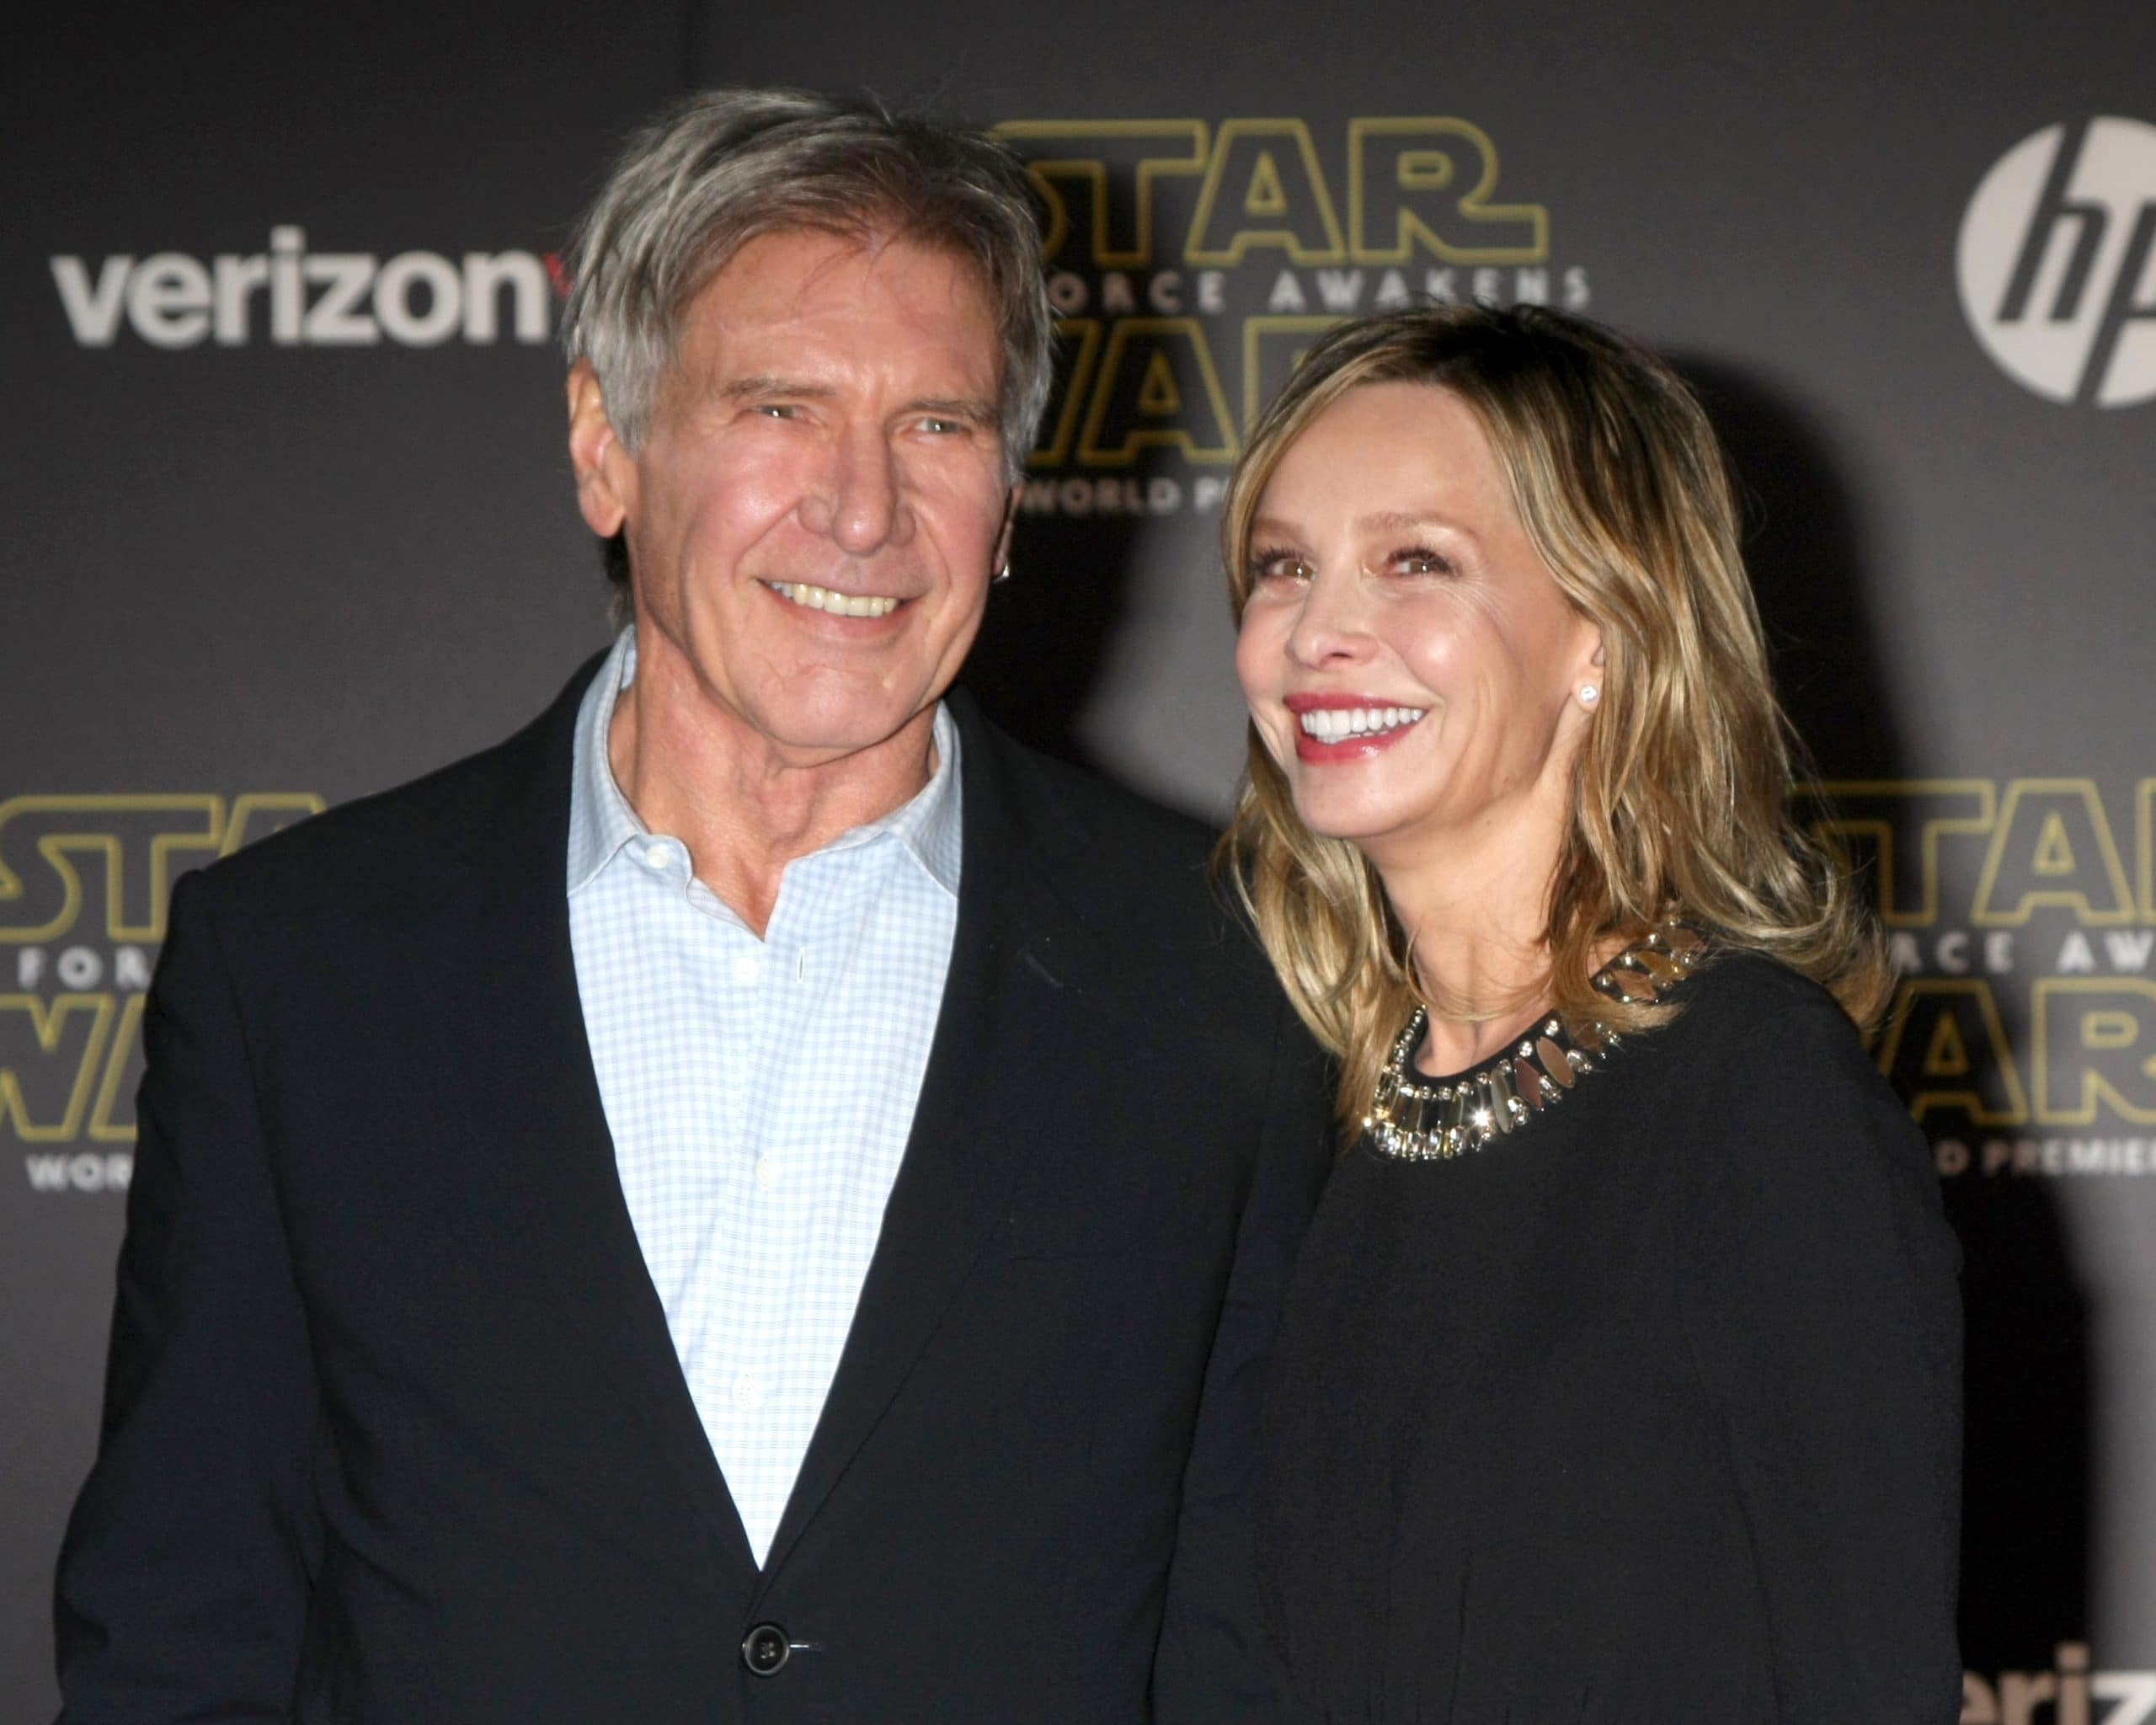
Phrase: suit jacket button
(765, 1650)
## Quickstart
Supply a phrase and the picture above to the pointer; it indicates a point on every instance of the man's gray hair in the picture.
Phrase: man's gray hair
(728, 165)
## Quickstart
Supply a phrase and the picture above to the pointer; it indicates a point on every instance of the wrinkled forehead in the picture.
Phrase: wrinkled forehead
(794, 298)
(838, 258)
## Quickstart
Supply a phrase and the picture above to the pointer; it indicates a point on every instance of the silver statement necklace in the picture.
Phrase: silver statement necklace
(1419, 1122)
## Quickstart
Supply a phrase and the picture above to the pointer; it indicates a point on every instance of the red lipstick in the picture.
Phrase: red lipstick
(1354, 746)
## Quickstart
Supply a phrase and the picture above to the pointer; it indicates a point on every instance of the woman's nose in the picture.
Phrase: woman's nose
(1330, 627)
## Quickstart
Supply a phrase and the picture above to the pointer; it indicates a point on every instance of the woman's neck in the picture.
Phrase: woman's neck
(1488, 985)
(1475, 908)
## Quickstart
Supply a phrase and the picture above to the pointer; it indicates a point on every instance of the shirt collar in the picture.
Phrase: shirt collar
(928, 826)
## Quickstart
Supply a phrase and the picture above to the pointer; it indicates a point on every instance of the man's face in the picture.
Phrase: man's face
(820, 503)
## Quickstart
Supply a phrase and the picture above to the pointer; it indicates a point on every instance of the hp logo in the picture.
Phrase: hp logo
(2057, 262)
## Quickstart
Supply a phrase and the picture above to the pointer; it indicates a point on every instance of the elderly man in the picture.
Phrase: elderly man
(758, 1198)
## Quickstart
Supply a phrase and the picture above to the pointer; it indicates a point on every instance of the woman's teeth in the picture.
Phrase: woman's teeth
(838, 604)
(1332, 724)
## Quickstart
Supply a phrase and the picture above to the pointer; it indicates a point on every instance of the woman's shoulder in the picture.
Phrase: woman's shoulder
(1779, 1079)
(1750, 1004)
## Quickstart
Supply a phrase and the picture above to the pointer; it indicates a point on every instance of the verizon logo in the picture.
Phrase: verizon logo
(293, 297)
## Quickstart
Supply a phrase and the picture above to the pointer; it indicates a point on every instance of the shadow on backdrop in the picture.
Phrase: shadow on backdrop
(1045, 640)
(2026, 1533)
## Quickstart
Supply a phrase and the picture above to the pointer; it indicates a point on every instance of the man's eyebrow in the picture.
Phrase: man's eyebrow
(971, 408)
(768, 383)
(764, 386)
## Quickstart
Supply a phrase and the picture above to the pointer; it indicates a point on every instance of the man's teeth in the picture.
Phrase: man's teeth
(1330, 724)
(838, 604)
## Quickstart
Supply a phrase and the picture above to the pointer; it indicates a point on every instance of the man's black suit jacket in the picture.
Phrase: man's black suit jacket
(395, 1430)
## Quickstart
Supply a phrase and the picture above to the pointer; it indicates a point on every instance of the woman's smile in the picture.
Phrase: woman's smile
(1348, 726)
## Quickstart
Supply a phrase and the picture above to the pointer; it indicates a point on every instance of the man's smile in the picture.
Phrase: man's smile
(824, 599)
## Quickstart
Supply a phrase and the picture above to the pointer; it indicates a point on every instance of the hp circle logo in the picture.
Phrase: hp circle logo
(2057, 262)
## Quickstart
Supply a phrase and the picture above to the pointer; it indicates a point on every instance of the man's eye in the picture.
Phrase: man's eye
(940, 426)
(778, 409)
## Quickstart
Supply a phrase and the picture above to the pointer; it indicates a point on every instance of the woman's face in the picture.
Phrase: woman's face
(1409, 661)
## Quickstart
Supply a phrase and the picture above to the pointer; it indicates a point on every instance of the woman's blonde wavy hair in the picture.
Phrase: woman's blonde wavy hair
(1681, 789)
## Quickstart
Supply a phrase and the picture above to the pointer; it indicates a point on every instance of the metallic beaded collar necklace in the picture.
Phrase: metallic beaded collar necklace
(1420, 1122)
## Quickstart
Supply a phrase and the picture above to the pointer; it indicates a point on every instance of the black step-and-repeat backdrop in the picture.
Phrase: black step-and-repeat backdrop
(290, 520)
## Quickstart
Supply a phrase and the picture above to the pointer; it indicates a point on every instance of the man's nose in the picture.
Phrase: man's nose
(862, 502)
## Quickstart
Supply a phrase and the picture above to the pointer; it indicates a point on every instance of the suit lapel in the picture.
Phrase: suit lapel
(531, 1064)
(1015, 951)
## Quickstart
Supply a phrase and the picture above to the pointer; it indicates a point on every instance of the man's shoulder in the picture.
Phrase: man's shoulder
(413, 833)
(1075, 816)
(1121, 861)
(1092, 806)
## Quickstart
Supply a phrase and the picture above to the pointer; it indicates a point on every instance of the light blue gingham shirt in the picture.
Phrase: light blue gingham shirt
(759, 1092)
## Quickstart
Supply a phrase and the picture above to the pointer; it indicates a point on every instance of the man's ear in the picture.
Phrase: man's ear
(1000, 562)
(605, 474)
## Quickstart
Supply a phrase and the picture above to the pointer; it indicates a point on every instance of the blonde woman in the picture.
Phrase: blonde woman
(1619, 1381)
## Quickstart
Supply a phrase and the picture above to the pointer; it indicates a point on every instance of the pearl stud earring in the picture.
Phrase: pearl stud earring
(1589, 694)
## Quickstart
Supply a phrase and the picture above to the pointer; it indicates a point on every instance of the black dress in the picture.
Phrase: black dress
(1648, 1412)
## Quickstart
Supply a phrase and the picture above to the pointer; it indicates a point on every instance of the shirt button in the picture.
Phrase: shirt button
(656, 856)
(747, 967)
(767, 1171)
(749, 1391)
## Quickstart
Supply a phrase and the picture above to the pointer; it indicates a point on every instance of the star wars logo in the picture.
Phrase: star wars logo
(84, 885)
(1192, 264)
(2025, 933)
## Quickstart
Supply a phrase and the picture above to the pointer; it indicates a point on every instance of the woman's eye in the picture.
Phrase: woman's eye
(1420, 560)
(1278, 565)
